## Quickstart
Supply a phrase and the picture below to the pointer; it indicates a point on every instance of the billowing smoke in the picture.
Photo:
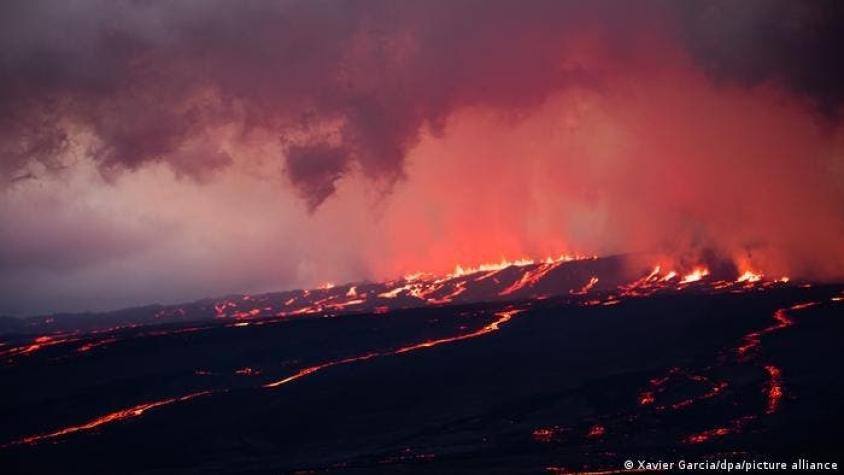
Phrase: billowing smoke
(200, 147)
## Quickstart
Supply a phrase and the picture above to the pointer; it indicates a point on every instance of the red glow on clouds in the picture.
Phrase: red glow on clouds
(582, 150)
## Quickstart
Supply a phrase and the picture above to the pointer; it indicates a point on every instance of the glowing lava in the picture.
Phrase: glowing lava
(695, 275)
(528, 274)
(587, 286)
(530, 278)
(775, 392)
(543, 435)
(751, 340)
(123, 414)
(707, 435)
(596, 431)
(749, 276)
(460, 271)
(503, 317)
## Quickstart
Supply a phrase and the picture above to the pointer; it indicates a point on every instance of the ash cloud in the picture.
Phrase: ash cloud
(689, 107)
(136, 75)
(139, 75)
(794, 43)
(315, 169)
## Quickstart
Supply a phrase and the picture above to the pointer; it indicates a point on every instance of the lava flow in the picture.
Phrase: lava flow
(140, 409)
(751, 340)
(680, 389)
(39, 343)
(503, 317)
(121, 415)
(773, 387)
(506, 280)
(520, 279)
(503, 280)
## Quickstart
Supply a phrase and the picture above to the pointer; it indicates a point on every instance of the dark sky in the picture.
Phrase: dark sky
(164, 151)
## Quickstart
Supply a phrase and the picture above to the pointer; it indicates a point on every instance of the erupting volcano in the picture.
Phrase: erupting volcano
(427, 236)
(253, 357)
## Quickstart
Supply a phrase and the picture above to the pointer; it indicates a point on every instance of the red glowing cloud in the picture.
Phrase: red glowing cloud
(207, 148)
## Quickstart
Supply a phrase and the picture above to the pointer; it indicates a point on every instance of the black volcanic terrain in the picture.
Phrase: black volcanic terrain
(534, 368)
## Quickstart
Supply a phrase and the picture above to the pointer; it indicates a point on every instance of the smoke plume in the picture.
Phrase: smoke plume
(196, 147)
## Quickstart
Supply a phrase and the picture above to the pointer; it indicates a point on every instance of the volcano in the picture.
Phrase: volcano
(555, 366)
(424, 236)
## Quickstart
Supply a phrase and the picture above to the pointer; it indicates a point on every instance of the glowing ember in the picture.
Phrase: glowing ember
(775, 392)
(801, 306)
(543, 435)
(220, 308)
(247, 372)
(94, 344)
(246, 313)
(707, 435)
(596, 431)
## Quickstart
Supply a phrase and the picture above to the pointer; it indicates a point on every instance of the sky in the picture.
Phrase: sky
(169, 151)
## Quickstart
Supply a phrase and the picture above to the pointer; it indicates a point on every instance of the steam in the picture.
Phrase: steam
(426, 133)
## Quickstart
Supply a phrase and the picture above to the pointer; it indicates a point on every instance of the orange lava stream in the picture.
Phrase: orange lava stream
(751, 340)
(587, 287)
(734, 426)
(459, 288)
(774, 386)
(659, 386)
(123, 414)
(313, 369)
(421, 288)
(95, 344)
(503, 317)
(530, 278)
(39, 343)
